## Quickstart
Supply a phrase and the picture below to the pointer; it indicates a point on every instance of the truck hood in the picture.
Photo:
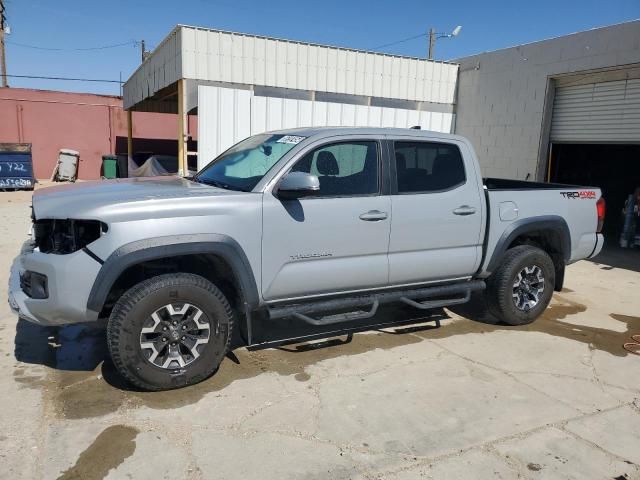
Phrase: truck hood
(109, 199)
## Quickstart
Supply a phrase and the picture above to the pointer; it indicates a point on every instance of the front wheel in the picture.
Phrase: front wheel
(520, 289)
(169, 331)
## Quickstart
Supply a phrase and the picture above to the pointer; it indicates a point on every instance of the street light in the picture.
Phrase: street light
(433, 36)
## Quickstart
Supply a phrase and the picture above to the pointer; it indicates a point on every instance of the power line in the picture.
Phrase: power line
(103, 47)
(400, 41)
(66, 78)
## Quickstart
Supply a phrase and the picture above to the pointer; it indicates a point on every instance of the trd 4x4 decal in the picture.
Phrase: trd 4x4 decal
(590, 194)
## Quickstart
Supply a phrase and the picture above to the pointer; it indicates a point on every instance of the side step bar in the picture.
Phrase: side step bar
(426, 305)
(461, 293)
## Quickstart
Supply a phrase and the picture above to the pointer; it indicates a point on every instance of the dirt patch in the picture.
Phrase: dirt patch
(534, 467)
(112, 447)
(551, 323)
(285, 362)
(95, 389)
(98, 390)
(302, 377)
(628, 319)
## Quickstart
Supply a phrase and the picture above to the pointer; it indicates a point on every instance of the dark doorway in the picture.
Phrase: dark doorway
(615, 169)
(143, 148)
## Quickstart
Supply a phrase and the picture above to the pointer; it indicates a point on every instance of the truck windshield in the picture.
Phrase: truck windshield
(243, 165)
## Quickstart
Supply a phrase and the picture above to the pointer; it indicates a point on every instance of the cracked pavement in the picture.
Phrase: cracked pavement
(556, 399)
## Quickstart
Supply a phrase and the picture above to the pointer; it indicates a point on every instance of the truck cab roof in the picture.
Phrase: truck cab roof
(325, 132)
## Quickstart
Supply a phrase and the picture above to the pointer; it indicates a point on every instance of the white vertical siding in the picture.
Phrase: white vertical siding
(217, 56)
(227, 115)
(224, 120)
(162, 68)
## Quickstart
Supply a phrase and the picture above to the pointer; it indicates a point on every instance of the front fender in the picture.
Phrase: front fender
(140, 251)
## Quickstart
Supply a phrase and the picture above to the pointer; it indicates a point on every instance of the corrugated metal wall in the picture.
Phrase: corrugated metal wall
(238, 58)
(212, 55)
(226, 116)
(161, 69)
(223, 119)
(597, 112)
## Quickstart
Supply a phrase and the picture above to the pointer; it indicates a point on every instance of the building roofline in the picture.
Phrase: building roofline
(162, 42)
(313, 44)
(299, 42)
(45, 91)
(457, 60)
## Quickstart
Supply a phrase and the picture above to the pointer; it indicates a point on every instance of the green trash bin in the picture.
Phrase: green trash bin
(109, 166)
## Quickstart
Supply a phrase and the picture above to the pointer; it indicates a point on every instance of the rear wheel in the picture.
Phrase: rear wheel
(476, 309)
(520, 289)
(169, 331)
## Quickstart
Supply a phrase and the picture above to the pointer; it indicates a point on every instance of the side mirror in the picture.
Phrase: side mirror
(297, 185)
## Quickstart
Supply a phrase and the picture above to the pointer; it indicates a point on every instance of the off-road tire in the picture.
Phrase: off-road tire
(476, 309)
(138, 303)
(499, 293)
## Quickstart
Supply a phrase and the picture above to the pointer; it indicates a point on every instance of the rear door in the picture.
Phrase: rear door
(336, 241)
(437, 212)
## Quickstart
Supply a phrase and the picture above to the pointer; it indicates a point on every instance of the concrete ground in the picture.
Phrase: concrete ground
(557, 399)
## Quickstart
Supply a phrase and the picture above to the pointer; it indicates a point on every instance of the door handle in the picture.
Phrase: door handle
(464, 210)
(373, 216)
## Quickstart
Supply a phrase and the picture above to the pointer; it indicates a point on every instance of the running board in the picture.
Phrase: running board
(415, 298)
(339, 317)
(350, 330)
(429, 304)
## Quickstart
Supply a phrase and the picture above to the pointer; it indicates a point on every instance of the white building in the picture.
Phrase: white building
(565, 109)
(241, 84)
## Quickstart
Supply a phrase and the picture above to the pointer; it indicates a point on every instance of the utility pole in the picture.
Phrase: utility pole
(143, 51)
(432, 43)
(3, 59)
(433, 36)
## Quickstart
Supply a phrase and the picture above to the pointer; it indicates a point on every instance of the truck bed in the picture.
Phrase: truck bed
(506, 184)
(511, 204)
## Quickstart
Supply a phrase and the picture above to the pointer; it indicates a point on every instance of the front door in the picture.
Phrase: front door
(336, 240)
(437, 214)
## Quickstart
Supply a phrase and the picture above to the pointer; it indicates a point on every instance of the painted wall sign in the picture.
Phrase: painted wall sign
(16, 166)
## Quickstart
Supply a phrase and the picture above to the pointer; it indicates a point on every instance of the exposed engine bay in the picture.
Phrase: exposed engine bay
(66, 236)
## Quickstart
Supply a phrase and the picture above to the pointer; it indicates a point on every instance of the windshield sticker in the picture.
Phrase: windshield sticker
(292, 139)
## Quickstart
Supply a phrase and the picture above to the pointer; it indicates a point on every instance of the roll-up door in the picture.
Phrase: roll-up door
(604, 112)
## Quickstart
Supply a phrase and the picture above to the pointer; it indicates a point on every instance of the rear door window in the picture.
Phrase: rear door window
(428, 167)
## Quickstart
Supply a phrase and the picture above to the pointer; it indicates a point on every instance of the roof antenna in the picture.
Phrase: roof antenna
(416, 127)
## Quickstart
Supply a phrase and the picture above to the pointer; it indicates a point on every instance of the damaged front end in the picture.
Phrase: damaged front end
(66, 236)
(51, 279)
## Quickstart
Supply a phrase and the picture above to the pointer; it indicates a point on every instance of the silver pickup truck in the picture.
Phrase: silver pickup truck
(317, 227)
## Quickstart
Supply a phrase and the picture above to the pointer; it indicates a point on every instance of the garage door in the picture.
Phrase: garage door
(597, 112)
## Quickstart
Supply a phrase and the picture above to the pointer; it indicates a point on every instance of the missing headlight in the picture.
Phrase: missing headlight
(66, 236)
(34, 285)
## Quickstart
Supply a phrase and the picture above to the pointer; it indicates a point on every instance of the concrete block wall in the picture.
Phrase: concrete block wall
(501, 94)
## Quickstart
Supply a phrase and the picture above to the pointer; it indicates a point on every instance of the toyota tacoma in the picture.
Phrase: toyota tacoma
(311, 226)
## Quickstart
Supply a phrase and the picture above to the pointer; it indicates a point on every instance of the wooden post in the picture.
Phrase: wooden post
(129, 135)
(183, 168)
